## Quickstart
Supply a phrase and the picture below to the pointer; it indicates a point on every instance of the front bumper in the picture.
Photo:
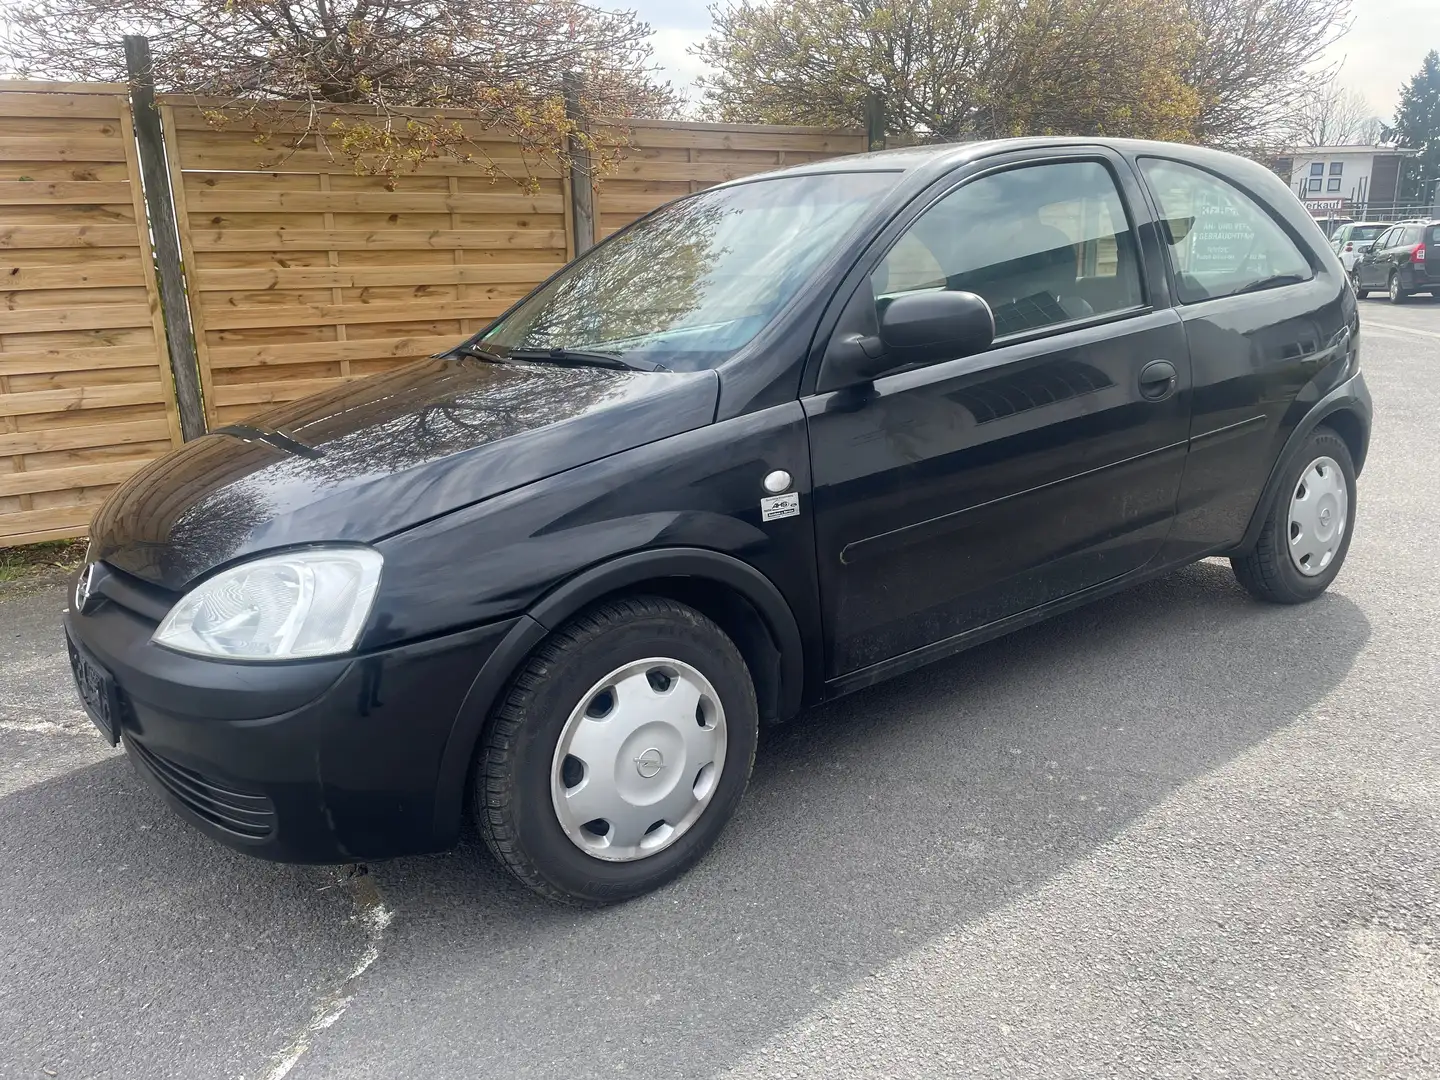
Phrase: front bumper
(313, 761)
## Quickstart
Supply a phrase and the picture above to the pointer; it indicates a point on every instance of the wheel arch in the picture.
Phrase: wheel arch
(732, 593)
(1344, 415)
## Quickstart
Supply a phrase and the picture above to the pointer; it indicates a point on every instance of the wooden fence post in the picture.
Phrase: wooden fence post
(875, 121)
(164, 236)
(582, 180)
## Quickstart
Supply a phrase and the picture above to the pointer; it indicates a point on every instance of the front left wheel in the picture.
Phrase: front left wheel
(619, 754)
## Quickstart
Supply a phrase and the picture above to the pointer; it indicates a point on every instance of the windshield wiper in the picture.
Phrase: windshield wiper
(1272, 282)
(477, 351)
(590, 359)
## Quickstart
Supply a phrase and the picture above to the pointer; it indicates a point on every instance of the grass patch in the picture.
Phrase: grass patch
(40, 560)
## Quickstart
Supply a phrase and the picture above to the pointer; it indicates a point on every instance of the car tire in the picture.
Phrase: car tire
(615, 663)
(1277, 570)
(1360, 293)
(1397, 294)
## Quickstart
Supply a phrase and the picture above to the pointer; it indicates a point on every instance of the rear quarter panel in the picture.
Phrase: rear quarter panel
(1260, 360)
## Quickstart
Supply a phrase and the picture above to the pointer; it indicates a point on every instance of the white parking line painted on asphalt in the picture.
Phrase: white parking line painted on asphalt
(371, 913)
(1366, 324)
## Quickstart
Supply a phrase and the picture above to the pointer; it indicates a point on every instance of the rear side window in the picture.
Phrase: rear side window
(1222, 242)
(1413, 235)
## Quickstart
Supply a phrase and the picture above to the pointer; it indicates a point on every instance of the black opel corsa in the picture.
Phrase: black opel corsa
(774, 442)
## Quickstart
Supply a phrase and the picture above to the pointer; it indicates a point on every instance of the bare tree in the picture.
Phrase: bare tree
(1257, 62)
(500, 61)
(1333, 116)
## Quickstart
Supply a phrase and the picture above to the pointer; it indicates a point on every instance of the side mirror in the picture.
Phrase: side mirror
(928, 327)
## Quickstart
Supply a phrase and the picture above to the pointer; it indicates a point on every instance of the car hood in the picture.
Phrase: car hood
(379, 455)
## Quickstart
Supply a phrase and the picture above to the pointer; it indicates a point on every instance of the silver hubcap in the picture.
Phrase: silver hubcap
(639, 760)
(1319, 513)
(1394, 287)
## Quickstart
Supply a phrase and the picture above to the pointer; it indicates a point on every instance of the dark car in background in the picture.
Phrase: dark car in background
(773, 443)
(1403, 260)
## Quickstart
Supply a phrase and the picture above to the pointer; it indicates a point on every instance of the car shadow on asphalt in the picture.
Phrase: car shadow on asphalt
(872, 825)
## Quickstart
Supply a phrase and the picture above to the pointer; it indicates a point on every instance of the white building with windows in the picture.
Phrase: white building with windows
(1332, 180)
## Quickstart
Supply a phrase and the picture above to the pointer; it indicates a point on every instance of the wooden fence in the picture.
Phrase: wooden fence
(299, 273)
(669, 159)
(85, 389)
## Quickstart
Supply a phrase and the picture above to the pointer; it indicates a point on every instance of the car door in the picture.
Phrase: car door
(1375, 263)
(952, 496)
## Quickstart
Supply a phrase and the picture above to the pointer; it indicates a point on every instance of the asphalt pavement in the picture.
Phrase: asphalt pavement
(1174, 834)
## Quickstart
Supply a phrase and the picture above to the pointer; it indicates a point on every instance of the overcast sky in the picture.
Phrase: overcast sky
(1385, 47)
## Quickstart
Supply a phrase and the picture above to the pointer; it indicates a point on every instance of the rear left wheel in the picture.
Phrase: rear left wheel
(1397, 294)
(1307, 528)
(619, 754)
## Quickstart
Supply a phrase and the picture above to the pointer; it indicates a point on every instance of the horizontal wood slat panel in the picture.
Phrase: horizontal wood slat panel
(98, 317)
(76, 476)
(308, 352)
(87, 397)
(105, 357)
(25, 236)
(265, 393)
(47, 440)
(31, 526)
(95, 275)
(322, 314)
(59, 192)
(59, 106)
(390, 202)
(691, 138)
(28, 148)
(342, 277)
(29, 86)
(371, 240)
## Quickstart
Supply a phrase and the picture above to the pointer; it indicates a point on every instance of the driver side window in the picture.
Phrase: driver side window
(1221, 241)
(1043, 244)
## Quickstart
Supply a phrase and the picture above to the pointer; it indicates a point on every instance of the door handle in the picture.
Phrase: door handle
(1157, 380)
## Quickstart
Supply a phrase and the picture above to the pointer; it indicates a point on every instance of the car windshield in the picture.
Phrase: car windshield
(1366, 232)
(695, 281)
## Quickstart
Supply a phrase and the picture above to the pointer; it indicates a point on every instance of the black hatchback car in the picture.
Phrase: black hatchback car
(1402, 261)
(776, 441)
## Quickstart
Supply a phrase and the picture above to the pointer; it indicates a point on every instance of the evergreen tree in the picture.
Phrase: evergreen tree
(1417, 126)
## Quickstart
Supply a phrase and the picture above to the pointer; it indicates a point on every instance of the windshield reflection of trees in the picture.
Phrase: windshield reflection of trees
(664, 264)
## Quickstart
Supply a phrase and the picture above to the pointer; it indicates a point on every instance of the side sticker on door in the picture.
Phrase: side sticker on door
(780, 506)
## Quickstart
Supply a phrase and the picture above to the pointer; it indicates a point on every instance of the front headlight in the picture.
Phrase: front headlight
(304, 603)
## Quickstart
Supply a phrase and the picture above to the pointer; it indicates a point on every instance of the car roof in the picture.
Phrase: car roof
(933, 159)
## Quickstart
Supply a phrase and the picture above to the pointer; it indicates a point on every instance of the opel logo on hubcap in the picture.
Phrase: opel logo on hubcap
(649, 763)
(1325, 516)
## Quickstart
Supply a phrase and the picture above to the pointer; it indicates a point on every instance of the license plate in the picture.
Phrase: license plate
(97, 692)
